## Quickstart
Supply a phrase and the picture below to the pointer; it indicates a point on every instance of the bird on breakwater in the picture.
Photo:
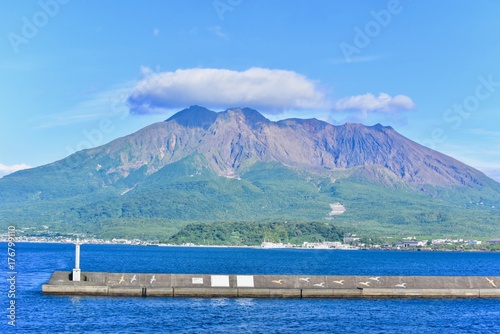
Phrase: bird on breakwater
(305, 279)
(133, 279)
(492, 282)
(365, 283)
(321, 285)
(375, 279)
(122, 279)
(278, 281)
(402, 285)
(341, 282)
(152, 279)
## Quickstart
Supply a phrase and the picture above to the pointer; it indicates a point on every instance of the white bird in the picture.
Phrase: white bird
(278, 281)
(122, 279)
(375, 279)
(402, 285)
(492, 282)
(341, 282)
(152, 279)
(321, 285)
(365, 283)
(133, 279)
(305, 279)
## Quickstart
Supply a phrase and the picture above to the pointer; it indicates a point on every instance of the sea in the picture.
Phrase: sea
(38, 313)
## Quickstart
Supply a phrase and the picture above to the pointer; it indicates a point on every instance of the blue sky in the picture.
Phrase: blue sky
(76, 74)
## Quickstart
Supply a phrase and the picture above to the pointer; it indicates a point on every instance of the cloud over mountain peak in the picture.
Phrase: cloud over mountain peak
(271, 90)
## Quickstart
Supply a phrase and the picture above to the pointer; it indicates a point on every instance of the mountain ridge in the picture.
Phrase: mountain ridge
(242, 134)
(202, 165)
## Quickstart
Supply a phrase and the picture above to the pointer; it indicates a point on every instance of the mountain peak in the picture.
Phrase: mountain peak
(381, 127)
(238, 165)
(251, 116)
(310, 124)
(194, 117)
(234, 139)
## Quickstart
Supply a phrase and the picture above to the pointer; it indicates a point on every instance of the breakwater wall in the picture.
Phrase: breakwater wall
(272, 286)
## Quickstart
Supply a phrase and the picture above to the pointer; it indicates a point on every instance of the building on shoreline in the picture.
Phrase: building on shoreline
(494, 241)
(328, 245)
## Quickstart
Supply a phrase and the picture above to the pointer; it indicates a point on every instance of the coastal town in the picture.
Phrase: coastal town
(351, 242)
(408, 243)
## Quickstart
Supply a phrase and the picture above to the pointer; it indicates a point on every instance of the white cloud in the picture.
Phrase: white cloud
(369, 102)
(5, 170)
(269, 90)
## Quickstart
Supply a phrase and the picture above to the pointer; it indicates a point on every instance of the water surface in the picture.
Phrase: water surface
(37, 313)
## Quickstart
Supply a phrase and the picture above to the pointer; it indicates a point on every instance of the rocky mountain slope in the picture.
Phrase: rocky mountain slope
(203, 165)
(236, 138)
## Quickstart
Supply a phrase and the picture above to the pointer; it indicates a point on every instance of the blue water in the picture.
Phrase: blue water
(37, 313)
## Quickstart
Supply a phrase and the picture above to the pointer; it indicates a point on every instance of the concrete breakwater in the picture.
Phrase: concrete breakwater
(272, 286)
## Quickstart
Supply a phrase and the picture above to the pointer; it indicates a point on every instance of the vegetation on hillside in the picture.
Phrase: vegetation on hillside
(251, 234)
(186, 192)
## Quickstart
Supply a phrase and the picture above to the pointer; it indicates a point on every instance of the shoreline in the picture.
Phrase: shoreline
(407, 249)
